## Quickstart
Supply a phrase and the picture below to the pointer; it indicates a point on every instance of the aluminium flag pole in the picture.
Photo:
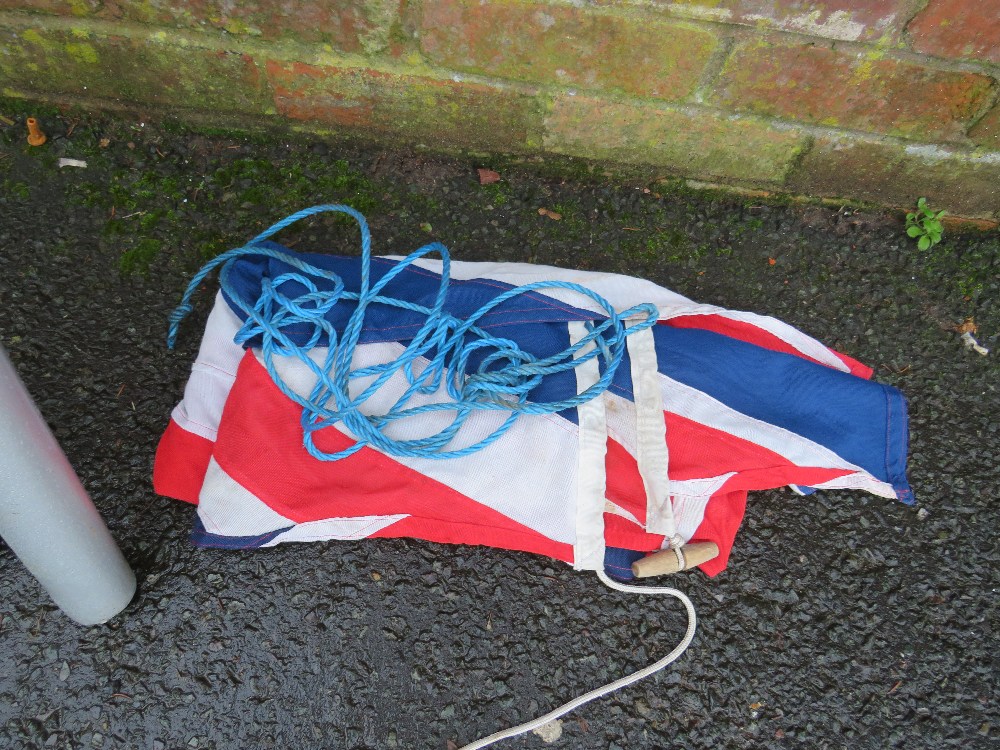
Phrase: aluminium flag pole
(47, 518)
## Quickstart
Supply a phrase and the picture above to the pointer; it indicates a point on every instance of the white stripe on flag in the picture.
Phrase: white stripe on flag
(527, 475)
(341, 529)
(212, 374)
(228, 508)
(698, 406)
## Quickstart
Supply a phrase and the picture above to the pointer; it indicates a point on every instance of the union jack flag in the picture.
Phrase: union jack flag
(746, 402)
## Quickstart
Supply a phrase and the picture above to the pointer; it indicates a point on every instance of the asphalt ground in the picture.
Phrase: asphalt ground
(843, 621)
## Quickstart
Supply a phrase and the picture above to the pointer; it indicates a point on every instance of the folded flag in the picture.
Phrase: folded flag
(588, 417)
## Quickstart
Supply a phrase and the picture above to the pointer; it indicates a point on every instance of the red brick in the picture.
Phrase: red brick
(349, 25)
(968, 29)
(848, 20)
(703, 145)
(819, 85)
(986, 133)
(571, 46)
(411, 108)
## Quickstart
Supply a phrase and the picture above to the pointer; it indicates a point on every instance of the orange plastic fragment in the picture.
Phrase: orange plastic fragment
(35, 135)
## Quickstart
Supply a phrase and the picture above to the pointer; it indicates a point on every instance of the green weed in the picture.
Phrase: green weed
(924, 225)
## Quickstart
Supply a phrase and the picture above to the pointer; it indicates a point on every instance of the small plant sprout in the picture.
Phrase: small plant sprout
(925, 225)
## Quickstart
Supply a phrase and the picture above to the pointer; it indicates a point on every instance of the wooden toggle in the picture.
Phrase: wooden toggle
(667, 561)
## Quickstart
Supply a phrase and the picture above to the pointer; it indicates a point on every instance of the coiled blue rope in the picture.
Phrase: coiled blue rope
(443, 345)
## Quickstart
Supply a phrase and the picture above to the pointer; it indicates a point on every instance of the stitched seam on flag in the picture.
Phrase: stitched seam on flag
(205, 514)
(417, 326)
(803, 343)
(181, 411)
(617, 567)
(209, 366)
(555, 305)
(376, 523)
(196, 422)
(519, 528)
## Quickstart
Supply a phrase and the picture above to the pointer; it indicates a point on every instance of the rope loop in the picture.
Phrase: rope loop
(437, 355)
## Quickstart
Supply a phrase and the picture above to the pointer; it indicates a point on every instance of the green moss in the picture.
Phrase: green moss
(139, 257)
(82, 52)
(16, 189)
(496, 194)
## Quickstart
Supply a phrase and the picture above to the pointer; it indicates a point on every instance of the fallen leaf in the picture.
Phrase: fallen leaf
(130, 144)
(104, 142)
(771, 261)
(969, 326)
(376, 576)
(551, 214)
(584, 726)
(488, 176)
(426, 227)
(451, 745)
(755, 706)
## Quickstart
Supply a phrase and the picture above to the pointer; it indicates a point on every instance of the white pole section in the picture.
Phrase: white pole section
(47, 518)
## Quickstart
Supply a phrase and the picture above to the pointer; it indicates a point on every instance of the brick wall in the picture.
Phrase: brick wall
(880, 100)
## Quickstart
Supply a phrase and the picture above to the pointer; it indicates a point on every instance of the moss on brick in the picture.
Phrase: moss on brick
(986, 133)
(825, 86)
(77, 8)
(893, 174)
(688, 144)
(425, 110)
(356, 26)
(847, 20)
(567, 46)
(156, 70)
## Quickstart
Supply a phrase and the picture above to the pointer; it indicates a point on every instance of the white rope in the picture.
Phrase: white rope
(611, 686)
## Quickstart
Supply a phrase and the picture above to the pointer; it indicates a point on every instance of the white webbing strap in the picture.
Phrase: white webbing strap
(591, 479)
(651, 434)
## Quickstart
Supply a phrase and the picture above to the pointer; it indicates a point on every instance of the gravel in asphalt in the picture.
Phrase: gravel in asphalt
(843, 621)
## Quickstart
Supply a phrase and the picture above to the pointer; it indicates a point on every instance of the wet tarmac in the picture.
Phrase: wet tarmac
(843, 621)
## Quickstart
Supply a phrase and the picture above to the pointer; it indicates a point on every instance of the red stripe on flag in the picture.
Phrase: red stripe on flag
(723, 516)
(751, 334)
(181, 462)
(698, 451)
(260, 446)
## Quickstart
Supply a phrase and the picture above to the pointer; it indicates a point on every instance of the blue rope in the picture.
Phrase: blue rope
(501, 382)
